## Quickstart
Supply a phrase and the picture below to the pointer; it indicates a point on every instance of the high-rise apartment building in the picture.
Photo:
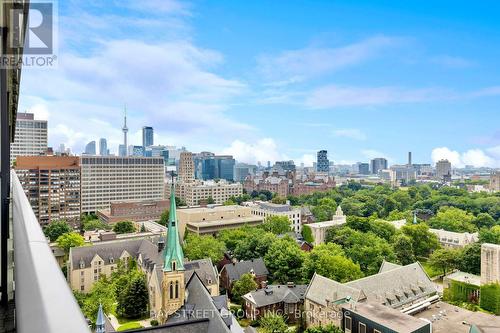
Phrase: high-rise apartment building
(30, 138)
(103, 147)
(186, 167)
(363, 168)
(147, 136)
(378, 164)
(52, 185)
(107, 179)
(443, 169)
(196, 192)
(322, 165)
(90, 148)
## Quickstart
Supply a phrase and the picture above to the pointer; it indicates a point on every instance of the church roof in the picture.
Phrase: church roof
(173, 249)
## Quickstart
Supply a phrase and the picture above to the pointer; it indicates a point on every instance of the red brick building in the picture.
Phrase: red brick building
(233, 271)
(136, 211)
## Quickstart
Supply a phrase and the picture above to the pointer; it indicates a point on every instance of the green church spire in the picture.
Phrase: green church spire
(173, 255)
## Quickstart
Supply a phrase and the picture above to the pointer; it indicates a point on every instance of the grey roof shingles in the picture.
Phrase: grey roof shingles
(273, 294)
(237, 269)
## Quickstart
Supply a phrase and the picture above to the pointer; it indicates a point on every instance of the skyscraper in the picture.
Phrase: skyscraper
(322, 165)
(364, 168)
(186, 167)
(125, 131)
(443, 169)
(147, 136)
(378, 164)
(90, 148)
(103, 147)
(30, 138)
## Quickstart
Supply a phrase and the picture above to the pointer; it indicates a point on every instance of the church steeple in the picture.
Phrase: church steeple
(100, 323)
(173, 254)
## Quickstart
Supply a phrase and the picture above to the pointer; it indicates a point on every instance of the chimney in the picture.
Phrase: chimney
(290, 285)
(263, 284)
(409, 158)
(161, 245)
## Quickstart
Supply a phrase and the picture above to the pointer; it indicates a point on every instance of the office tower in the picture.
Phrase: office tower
(186, 167)
(122, 151)
(210, 166)
(242, 170)
(90, 148)
(225, 164)
(443, 169)
(52, 185)
(285, 165)
(322, 164)
(125, 131)
(409, 158)
(490, 263)
(378, 164)
(30, 138)
(364, 168)
(147, 136)
(62, 149)
(103, 147)
(109, 178)
(135, 150)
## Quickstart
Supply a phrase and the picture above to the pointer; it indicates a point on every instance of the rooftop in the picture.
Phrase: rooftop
(277, 293)
(465, 277)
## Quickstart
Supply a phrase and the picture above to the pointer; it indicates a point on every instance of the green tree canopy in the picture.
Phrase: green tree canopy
(469, 259)
(255, 245)
(164, 217)
(55, 229)
(444, 259)
(245, 284)
(453, 219)
(272, 323)
(277, 224)
(200, 247)
(423, 241)
(134, 300)
(124, 227)
(329, 260)
(69, 240)
(490, 235)
(95, 225)
(285, 261)
(403, 248)
(324, 329)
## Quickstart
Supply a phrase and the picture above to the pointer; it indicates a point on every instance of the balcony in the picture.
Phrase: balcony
(43, 300)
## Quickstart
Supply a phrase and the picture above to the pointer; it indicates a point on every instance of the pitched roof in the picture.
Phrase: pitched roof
(458, 238)
(105, 250)
(173, 249)
(322, 290)
(237, 269)
(387, 266)
(396, 287)
(276, 293)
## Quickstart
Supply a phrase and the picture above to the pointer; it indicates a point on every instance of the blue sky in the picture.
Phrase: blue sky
(271, 80)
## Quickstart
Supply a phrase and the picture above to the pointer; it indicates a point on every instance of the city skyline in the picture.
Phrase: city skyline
(401, 78)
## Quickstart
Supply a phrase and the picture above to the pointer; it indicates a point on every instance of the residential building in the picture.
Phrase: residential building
(490, 263)
(363, 168)
(212, 219)
(455, 239)
(203, 192)
(186, 167)
(147, 137)
(284, 299)
(107, 179)
(319, 229)
(272, 183)
(90, 148)
(322, 163)
(233, 271)
(495, 182)
(311, 184)
(265, 209)
(30, 138)
(443, 170)
(136, 211)
(52, 185)
(103, 147)
(378, 164)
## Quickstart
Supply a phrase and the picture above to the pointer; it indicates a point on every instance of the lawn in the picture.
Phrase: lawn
(129, 326)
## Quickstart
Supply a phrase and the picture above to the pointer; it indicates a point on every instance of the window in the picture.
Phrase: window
(361, 328)
(171, 290)
(348, 324)
(82, 288)
(174, 266)
(176, 289)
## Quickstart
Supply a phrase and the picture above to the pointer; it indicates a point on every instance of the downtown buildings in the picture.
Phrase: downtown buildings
(443, 170)
(30, 138)
(378, 164)
(322, 163)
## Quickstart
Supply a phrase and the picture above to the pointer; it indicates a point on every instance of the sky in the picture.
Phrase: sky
(275, 80)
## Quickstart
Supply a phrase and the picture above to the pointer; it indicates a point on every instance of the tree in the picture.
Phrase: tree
(101, 293)
(199, 247)
(94, 225)
(490, 236)
(229, 202)
(210, 201)
(164, 217)
(285, 261)
(245, 284)
(231, 237)
(324, 329)
(69, 240)
(124, 227)
(403, 248)
(383, 229)
(273, 323)
(484, 220)
(307, 234)
(277, 224)
(324, 209)
(453, 219)
(255, 245)
(443, 259)
(179, 202)
(329, 260)
(133, 302)
(56, 229)
(278, 200)
(469, 259)
(423, 241)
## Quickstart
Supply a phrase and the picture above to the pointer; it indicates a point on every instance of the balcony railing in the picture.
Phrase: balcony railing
(44, 301)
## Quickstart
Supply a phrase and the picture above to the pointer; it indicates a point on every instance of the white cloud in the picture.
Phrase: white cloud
(351, 133)
(262, 150)
(333, 96)
(307, 159)
(308, 62)
(476, 157)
